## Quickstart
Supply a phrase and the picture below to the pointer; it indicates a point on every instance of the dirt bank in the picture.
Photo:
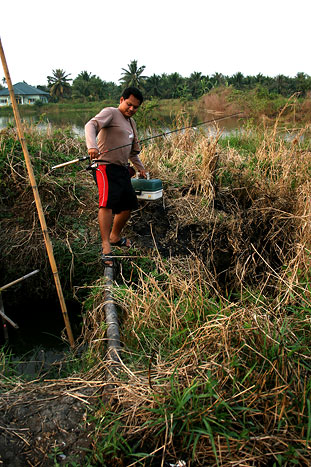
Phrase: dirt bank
(44, 423)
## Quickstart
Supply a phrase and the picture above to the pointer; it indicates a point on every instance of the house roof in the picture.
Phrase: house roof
(23, 89)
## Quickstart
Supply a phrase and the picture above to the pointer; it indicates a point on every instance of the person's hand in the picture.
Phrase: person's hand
(143, 173)
(93, 153)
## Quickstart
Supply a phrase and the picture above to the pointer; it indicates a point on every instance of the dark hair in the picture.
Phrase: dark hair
(131, 91)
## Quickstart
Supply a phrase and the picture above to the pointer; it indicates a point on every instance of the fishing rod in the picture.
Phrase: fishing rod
(71, 162)
(147, 139)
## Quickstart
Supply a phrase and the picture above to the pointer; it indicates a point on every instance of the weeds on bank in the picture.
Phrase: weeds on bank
(216, 357)
(211, 374)
(204, 378)
(16, 370)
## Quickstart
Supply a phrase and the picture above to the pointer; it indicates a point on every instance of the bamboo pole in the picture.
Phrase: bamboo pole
(4, 316)
(6, 286)
(34, 187)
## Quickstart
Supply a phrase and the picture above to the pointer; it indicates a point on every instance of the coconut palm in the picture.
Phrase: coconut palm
(153, 86)
(194, 83)
(82, 84)
(302, 83)
(237, 80)
(218, 79)
(59, 83)
(281, 84)
(133, 76)
(175, 82)
(205, 85)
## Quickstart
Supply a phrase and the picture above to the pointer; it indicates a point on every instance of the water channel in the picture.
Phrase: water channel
(76, 120)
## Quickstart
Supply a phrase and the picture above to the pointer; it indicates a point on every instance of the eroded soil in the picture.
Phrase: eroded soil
(43, 425)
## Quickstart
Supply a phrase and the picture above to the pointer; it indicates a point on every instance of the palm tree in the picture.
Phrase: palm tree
(194, 83)
(237, 80)
(174, 83)
(59, 83)
(281, 84)
(153, 86)
(133, 76)
(218, 79)
(302, 83)
(85, 75)
(81, 85)
(205, 85)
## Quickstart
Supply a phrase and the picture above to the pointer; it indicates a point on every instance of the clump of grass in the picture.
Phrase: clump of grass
(247, 197)
(184, 160)
(218, 101)
(204, 378)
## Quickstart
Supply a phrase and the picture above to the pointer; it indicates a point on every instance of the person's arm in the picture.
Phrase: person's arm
(91, 132)
(135, 150)
(137, 163)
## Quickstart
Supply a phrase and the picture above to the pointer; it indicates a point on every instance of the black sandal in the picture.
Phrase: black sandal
(122, 242)
(107, 259)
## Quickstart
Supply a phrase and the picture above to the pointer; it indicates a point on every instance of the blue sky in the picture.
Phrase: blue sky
(101, 37)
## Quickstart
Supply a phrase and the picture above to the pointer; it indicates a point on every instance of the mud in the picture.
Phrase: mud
(42, 427)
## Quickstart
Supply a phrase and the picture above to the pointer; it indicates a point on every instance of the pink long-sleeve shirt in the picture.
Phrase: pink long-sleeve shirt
(110, 129)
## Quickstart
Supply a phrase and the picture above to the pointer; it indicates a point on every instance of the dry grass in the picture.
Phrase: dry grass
(228, 377)
(186, 160)
(221, 380)
(216, 358)
(218, 101)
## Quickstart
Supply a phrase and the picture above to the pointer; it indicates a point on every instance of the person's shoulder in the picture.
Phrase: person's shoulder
(107, 110)
(107, 113)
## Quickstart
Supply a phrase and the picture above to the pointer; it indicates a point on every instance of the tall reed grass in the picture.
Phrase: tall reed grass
(216, 367)
(216, 337)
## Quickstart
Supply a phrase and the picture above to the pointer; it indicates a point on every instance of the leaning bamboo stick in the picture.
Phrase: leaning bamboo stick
(6, 286)
(32, 179)
(5, 317)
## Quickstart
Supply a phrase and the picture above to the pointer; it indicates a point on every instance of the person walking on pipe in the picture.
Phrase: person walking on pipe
(110, 128)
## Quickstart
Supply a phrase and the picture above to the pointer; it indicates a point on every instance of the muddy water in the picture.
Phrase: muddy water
(77, 120)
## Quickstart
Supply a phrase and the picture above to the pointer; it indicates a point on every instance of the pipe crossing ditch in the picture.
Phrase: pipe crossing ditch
(111, 317)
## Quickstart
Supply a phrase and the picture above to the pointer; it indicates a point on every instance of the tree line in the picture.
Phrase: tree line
(89, 87)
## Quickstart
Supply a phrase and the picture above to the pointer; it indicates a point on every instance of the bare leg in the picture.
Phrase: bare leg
(105, 221)
(118, 224)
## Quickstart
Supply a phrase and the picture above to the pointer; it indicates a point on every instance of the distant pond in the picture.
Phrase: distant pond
(75, 120)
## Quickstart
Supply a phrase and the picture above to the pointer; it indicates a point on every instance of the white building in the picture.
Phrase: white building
(24, 94)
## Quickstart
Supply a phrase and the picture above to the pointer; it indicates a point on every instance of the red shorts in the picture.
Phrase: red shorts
(115, 188)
